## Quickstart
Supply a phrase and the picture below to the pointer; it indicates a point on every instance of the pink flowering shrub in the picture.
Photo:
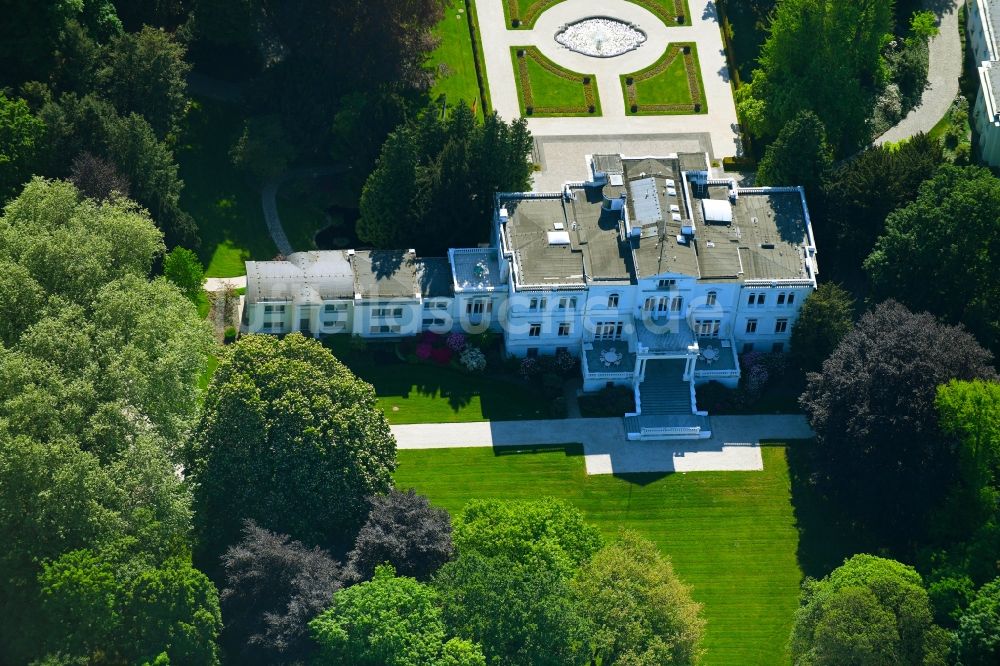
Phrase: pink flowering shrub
(423, 351)
(441, 355)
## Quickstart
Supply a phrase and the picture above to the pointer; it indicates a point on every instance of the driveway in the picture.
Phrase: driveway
(719, 123)
(734, 445)
(269, 203)
(942, 77)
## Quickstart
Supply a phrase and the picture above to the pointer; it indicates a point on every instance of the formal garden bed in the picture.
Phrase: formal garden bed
(522, 14)
(769, 384)
(670, 86)
(545, 89)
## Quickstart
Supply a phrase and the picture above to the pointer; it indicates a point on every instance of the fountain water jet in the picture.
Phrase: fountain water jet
(600, 37)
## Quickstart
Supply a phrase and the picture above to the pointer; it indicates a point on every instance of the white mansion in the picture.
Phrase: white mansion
(983, 32)
(653, 272)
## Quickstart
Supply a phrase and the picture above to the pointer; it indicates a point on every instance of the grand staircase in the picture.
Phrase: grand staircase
(665, 405)
(664, 390)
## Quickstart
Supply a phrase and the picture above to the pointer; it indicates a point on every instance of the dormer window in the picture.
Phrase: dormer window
(666, 283)
(711, 299)
(613, 300)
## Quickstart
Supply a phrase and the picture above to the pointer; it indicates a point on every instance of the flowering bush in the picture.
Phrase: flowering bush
(423, 351)
(565, 361)
(473, 359)
(749, 360)
(429, 337)
(441, 355)
(455, 341)
(530, 367)
(757, 379)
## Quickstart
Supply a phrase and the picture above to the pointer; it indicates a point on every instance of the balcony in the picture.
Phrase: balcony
(608, 360)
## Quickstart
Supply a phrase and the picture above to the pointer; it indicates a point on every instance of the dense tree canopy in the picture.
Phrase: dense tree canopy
(949, 237)
(640, 611)
(978, 636)
(870, 610)
(880, 449)
(388, 621)
(182, 268)
(825, 318)
(435, 181)
(20, 133)
(290, 438)
(100, 607)
(405, 531)
(273, 587)
(860, 194)
(521, 612)
(546, 530)
(144, 73)
(798, 156)
(822, 55)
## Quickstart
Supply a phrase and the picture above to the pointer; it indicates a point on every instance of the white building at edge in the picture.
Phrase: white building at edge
(983, 32)
(654, 272)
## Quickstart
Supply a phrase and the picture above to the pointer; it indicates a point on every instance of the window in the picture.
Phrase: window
(781, 299)
(711, 298)
(751, 325)
(707, 328)
(760, 299)
(567, 303)
(675, 304)
(377, 329)
(791, 298)
(649, 304)
(747, 347)
(608, 330)
(304, 323)
(751, 299)
(564, 329)
(613, 300)
(479, 306)
(533, 304)
(330, 308)
(661, 305)
(534, 330)
(387, 312)
(778, 347)
(276, 309)
(666, 283)
(781, 326)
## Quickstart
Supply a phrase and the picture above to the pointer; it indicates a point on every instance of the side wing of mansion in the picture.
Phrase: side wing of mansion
(653, 271)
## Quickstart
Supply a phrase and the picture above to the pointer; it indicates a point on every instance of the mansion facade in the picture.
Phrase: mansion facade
(653, 271)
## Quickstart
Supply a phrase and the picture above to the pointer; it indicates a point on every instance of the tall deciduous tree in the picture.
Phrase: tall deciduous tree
(822, 55)
(290, 438)
(978, 635)
(20, 134)
(144, 72)
(798, 156)
(949, 237)
(405, 531)
(434, 184)
(182, 268)
(880, 448)
(388, 621)
(640, 611)
(825, 318)
(273, 587)
(522, 612)
(870, 610)
(544, 530)
(859, 194)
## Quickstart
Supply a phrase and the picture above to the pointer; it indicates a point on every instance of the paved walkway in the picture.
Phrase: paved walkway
(218, 284)
(944, 72)
(268, 200)
(719, 122)
(734, 445)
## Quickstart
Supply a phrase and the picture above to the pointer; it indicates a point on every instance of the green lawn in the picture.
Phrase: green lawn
(224, 203)
(731, 535)
(551, 90)
(670, 86)
(427, 393)
(455, 55)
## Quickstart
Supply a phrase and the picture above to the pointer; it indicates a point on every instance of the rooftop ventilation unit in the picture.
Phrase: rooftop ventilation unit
(559, 226)
(504, 215)
(558, 237)
(687, 228)
(715, 210)
(616, 179)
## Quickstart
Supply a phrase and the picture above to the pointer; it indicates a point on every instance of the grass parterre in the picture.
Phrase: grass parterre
(545, 89)
(670, 86)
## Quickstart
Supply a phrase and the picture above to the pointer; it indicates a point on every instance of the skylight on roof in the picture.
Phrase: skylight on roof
(716, 210)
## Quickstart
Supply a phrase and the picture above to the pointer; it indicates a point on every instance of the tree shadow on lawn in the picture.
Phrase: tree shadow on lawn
(570, 450)
(827, 536)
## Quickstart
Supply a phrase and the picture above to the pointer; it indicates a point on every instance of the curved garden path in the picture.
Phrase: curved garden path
(269, 202)
(943, 74)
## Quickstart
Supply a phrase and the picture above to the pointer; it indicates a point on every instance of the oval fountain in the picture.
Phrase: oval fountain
(600, 37)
